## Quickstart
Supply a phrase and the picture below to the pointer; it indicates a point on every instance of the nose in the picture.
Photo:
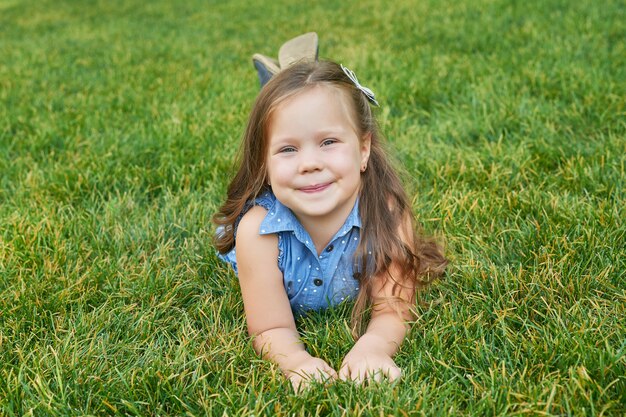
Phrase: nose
(310, 162)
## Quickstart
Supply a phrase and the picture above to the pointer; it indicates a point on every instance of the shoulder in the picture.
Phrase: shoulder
(249, 225)
(251, 220)
(259, 205)
(252, 247)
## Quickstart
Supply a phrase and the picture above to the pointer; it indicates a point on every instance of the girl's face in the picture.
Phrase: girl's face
(315, 155)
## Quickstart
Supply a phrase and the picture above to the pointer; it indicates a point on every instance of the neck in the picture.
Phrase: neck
(323, 228)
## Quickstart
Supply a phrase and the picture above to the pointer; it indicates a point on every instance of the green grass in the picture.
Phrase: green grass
(119, 122)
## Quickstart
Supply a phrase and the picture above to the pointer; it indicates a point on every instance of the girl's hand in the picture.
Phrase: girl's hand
(362, 365)
(305, 369)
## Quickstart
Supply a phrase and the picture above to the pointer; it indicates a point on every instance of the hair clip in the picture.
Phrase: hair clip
(368, 93)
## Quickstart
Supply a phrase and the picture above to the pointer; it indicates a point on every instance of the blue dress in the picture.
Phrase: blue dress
(311, 282)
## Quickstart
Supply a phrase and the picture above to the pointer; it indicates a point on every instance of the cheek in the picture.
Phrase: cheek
(279, 172)
(349, 163)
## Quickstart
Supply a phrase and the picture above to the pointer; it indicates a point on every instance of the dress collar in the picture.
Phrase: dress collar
(279, 218)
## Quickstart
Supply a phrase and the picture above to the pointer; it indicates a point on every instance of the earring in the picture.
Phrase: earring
(363, 167)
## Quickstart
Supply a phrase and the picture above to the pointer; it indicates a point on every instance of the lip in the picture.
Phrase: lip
(315, 188)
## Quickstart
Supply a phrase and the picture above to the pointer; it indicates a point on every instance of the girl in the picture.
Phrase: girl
(315, 216)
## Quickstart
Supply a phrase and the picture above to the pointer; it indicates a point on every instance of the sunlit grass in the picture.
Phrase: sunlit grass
(119, 122)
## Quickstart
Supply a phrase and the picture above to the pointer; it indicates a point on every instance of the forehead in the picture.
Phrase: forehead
(321, 103)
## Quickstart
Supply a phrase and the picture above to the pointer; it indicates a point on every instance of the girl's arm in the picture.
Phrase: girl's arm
(371, 356)
(268, 313)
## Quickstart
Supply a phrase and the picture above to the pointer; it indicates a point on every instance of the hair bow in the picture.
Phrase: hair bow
(368, 93)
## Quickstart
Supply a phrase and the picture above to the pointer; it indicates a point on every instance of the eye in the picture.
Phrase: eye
(287, 149)
(329, 141)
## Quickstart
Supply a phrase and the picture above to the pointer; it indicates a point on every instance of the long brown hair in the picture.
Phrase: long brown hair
(383, 204)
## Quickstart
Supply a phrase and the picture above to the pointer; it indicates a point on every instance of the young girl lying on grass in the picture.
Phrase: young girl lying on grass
(315, 216)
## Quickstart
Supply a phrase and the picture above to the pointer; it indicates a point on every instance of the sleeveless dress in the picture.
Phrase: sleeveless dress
(311, 282)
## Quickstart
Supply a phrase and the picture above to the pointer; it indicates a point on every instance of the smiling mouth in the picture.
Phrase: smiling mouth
(315, 188)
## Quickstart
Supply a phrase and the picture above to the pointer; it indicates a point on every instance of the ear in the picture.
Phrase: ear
(366, 143)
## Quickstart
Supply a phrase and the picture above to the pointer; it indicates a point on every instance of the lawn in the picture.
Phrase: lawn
(119, 124)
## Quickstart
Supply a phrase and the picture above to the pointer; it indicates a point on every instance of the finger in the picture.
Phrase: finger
(393, 373)
(332, 374)
(344, 373)
(297, 383)
(323, 375)
(358, 376)
(376, 375)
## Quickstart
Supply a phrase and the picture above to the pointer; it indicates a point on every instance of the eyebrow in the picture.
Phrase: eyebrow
(321, 133)
(334, 130)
